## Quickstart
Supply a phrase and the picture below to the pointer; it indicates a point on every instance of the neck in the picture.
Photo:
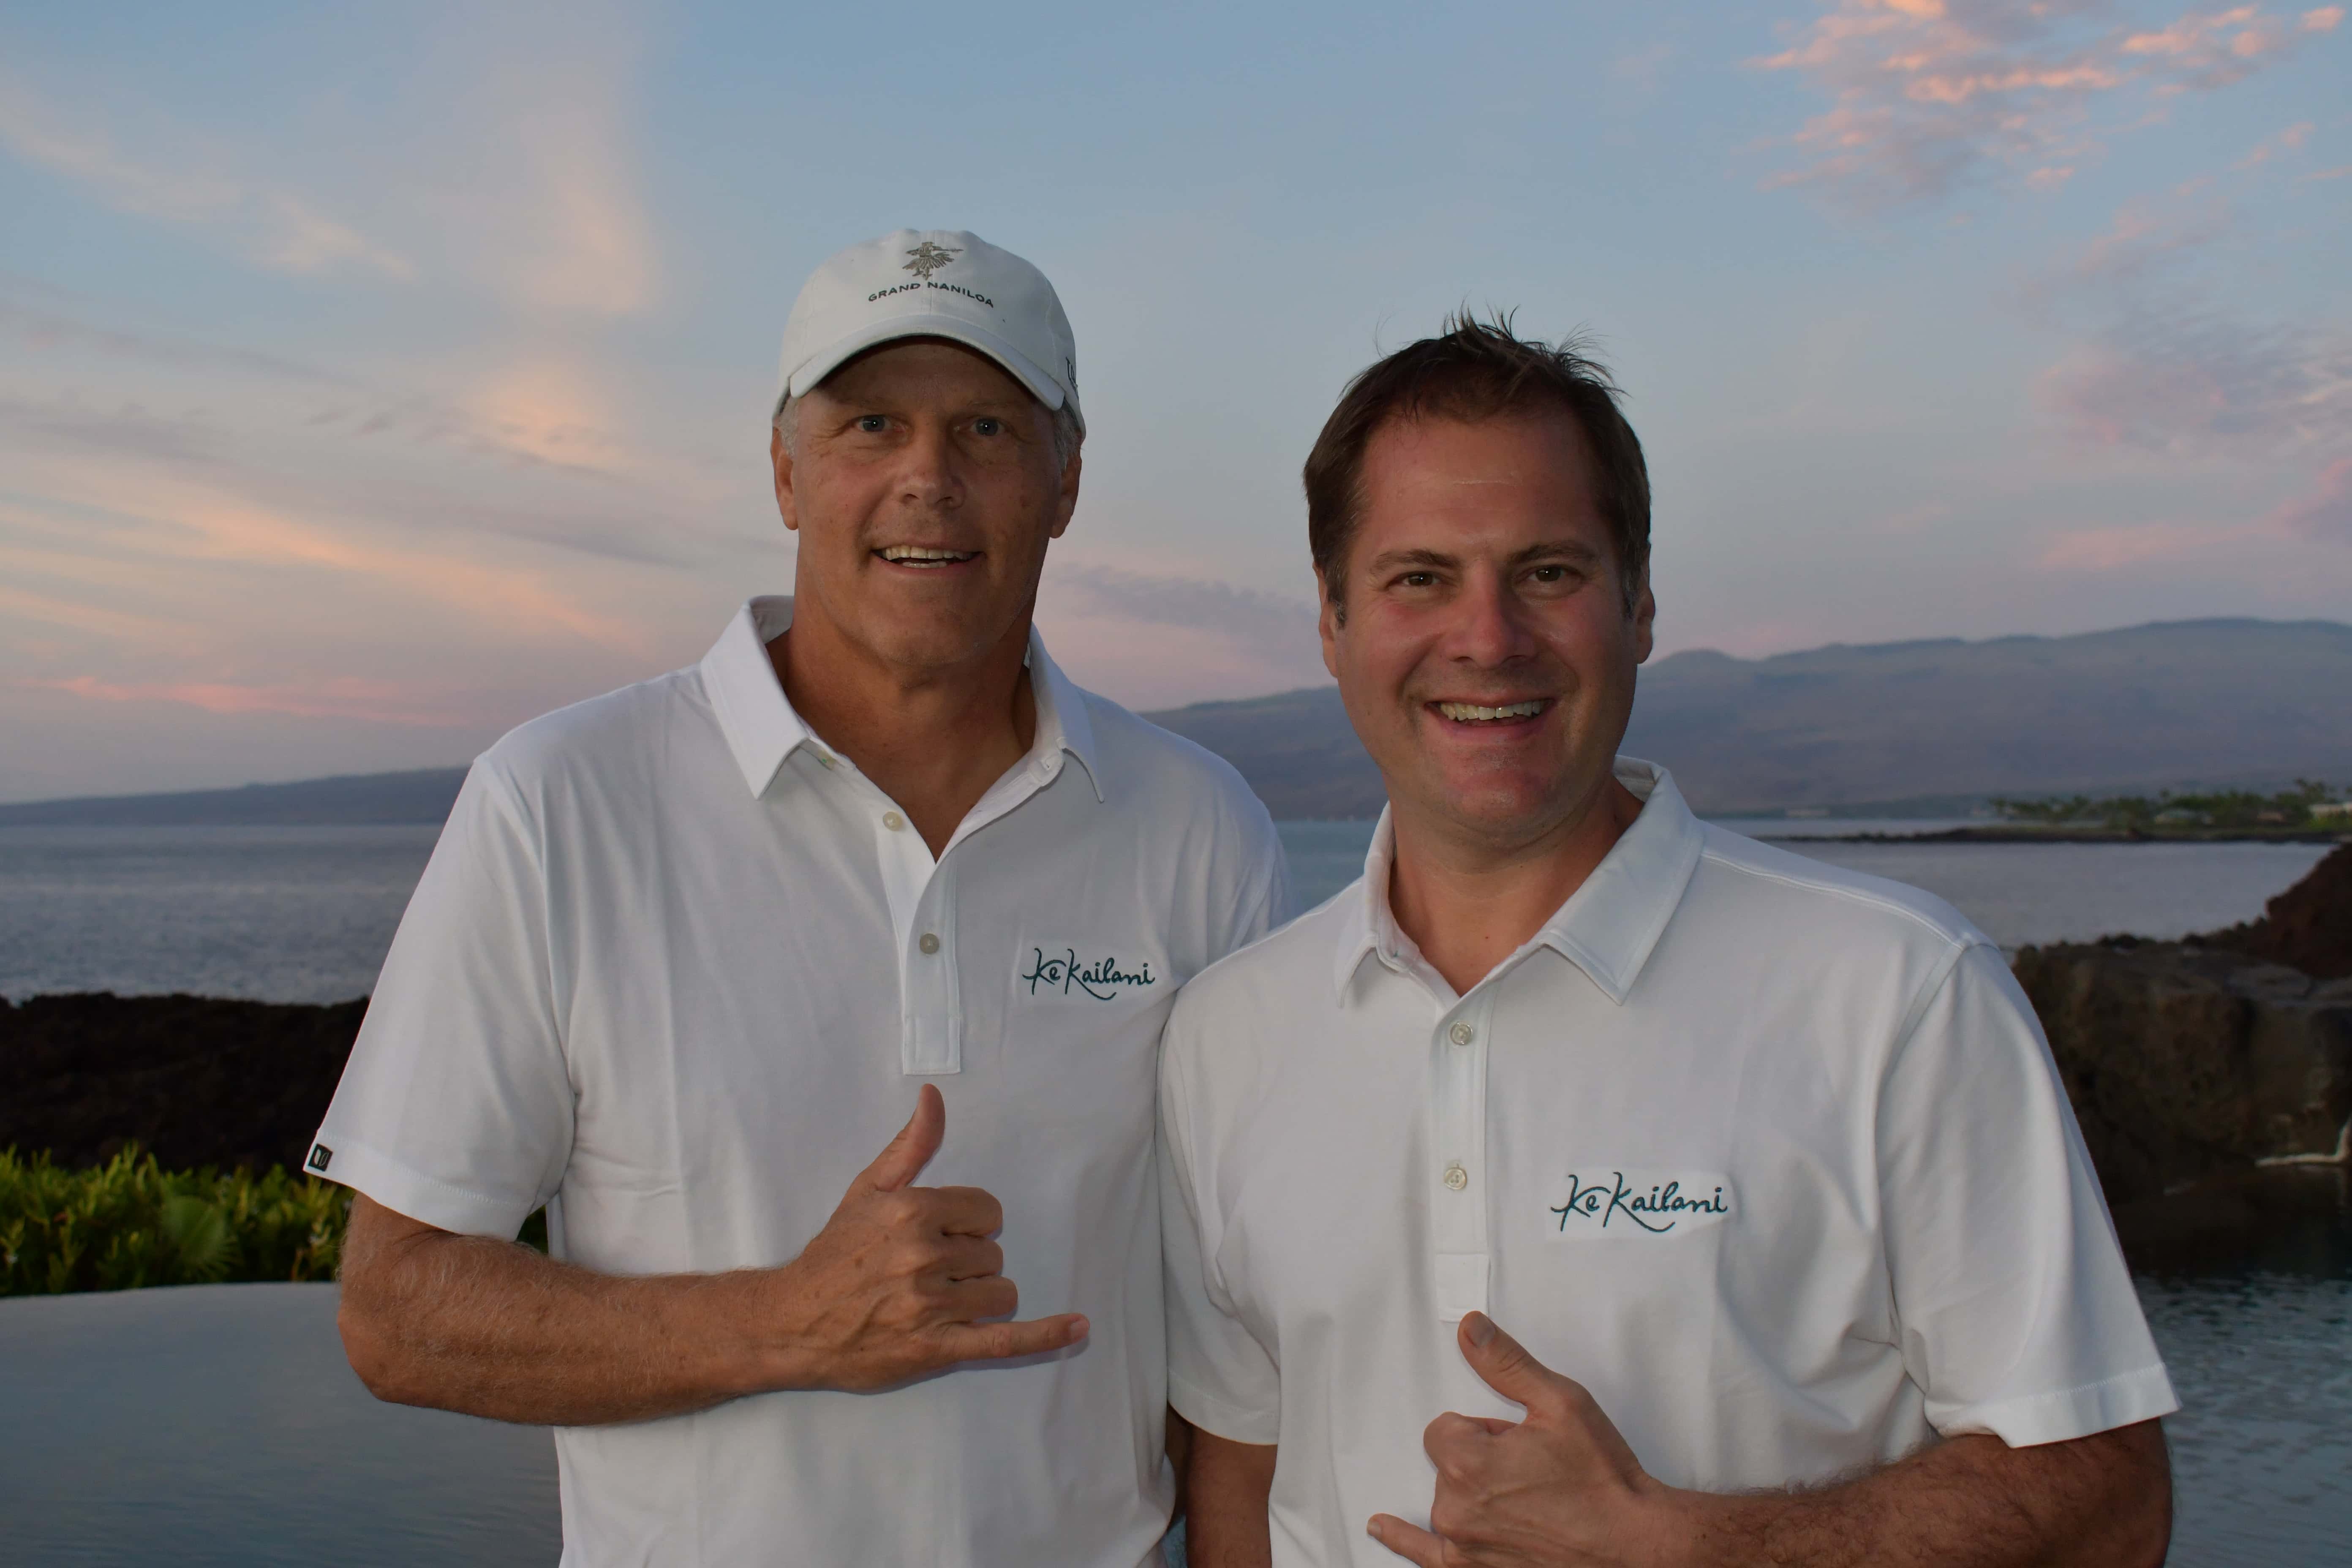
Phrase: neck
(1468, 904)
(932, 738)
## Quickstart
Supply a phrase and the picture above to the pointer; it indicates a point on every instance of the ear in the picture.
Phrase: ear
(1329, 619)
(782, 461)
(1067, 503)
(1646, 615)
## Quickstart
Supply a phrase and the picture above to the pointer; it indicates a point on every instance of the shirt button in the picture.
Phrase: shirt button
(893, 821)
(1456, 1177)
(1462, 1033)
(929, 943)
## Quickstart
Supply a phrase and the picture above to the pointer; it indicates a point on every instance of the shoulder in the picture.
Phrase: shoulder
(1283, 973)
(1164, 771)
(1803, 898)
(608, 738)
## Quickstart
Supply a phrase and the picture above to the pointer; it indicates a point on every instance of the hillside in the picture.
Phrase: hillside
(2193, 702)
(425, 794)
(1937, 724)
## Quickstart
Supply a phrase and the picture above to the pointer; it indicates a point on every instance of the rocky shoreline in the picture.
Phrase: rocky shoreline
(2016, 834)
(194, 1080)
(2212, 1075)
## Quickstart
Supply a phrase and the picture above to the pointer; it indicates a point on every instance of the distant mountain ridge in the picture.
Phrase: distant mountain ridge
(2215, 703)
(2169, 705)
(420, 794)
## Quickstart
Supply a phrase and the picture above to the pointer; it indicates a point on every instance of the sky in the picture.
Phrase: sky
(372, 379)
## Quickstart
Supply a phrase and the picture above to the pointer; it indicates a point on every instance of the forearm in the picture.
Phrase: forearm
(2103, 1501)
(1226, 1486)
(496, 1330)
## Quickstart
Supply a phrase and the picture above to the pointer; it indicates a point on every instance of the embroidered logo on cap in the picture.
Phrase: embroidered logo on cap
(928, 258)
(1054, 968)
(319, 1157)
(1640, 1203)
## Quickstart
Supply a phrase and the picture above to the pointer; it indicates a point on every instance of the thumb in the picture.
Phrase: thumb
(1504, 1363)
(909, 1153)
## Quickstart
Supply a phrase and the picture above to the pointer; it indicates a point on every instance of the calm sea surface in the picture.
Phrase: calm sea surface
(220, 1425)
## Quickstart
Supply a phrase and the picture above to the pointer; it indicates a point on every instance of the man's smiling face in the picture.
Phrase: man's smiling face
(1484, 649)
(923, 485)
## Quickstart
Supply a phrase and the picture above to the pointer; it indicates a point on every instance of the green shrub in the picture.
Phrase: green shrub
(129, 1223)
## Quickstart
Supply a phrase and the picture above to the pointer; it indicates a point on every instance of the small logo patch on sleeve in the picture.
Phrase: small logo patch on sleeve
(320, 1157)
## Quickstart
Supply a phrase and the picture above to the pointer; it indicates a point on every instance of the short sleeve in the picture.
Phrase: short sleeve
(1220, 1378)
(2017, 1314)
(1265, 898)
(456, 1108)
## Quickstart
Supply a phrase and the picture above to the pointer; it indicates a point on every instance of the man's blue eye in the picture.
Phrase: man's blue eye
(988, 427)
(871, 423)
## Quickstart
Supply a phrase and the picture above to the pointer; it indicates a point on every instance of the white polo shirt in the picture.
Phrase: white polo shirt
(675, 970)
(1771, 1156)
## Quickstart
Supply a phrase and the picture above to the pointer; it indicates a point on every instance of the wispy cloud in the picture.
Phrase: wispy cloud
(2204, 385)
(275, 227)
(374, 701)
(2129, 545)
(2325, 511)
(1928, 95)
(1152, 637)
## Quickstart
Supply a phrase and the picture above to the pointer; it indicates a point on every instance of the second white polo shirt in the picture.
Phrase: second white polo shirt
(676, 971)
(1769, 1155)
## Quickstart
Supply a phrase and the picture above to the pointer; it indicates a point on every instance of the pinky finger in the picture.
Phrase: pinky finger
(1408, 1542)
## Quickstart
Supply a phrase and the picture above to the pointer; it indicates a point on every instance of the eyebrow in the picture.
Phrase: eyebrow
(1574, 551)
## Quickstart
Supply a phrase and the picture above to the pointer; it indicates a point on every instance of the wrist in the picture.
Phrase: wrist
(1689, 1529)
(740, 1344)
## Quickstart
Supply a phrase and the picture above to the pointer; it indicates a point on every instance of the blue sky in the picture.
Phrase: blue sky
(373, 379)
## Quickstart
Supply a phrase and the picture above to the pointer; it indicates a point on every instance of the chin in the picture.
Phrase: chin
(930, 642)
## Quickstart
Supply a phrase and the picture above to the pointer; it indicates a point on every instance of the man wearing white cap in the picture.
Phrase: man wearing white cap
(690, 954)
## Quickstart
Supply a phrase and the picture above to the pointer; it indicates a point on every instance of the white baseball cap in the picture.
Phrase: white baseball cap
(932, 283)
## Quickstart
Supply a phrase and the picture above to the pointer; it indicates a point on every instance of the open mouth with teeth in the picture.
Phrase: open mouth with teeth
(1480, 714)
(924, 558)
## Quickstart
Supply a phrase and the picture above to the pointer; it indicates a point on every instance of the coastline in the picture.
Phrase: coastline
(2018, 834)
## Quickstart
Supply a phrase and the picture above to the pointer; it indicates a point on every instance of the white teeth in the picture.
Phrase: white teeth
(915, 555)
(1472, 713)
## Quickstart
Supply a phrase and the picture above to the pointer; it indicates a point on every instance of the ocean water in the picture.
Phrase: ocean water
(305, 914)
(221, 1425)
(274, 914)
(2018, 894)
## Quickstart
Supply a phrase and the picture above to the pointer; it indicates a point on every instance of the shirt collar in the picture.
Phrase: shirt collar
(763, 730)
(1607, 928)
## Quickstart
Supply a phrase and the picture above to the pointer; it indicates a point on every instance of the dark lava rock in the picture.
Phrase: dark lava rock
(2186, 1063)
(2191, 1061)
(195, 1081)
(2308, 927)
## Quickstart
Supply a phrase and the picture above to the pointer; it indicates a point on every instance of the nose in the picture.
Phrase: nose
(1489, 628)
(929, 477)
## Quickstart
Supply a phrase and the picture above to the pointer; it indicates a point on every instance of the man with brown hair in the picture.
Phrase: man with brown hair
(1765, 1163)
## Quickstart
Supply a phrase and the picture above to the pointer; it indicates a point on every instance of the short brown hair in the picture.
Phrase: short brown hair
(1475, 371)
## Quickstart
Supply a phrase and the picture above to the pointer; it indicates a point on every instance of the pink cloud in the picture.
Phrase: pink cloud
(375, 701)
(2197, 386)
(2133, 544)
(276, 228)
(1925, 94)
(2325, 511)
